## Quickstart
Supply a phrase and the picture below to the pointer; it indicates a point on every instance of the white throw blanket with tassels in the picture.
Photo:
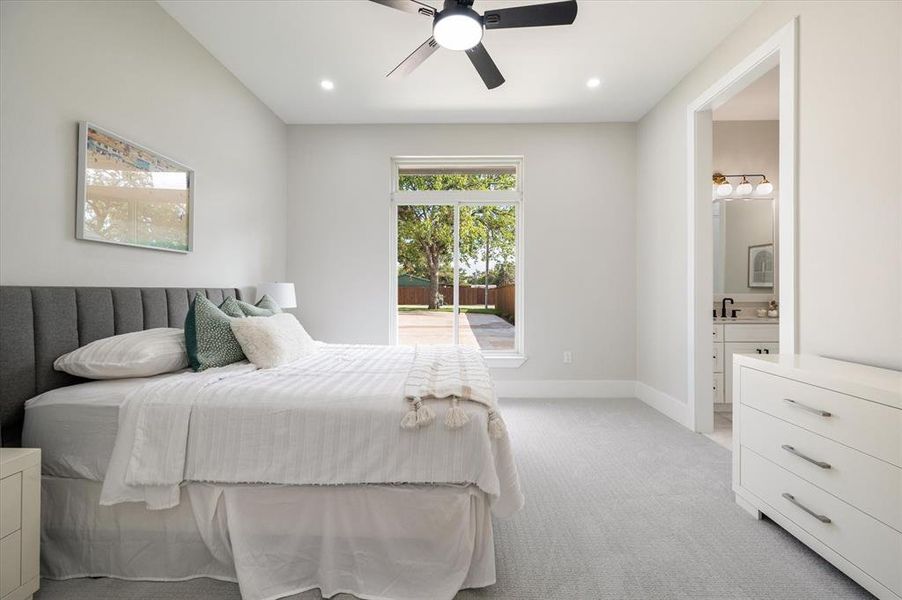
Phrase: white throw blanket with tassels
(454, 373)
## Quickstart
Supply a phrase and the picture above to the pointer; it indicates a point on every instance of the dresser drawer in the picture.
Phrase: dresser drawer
(10, 504)
(10, 563)
(751, 332)
(871, 485)
(873, 428)
(873, 547)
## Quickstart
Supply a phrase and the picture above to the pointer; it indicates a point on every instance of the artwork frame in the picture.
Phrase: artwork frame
(148, 204)
(761, 256)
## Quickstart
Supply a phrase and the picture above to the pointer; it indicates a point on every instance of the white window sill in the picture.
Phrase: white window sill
(504, 361)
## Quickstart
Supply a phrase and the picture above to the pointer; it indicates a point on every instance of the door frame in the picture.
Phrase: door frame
(780, 50)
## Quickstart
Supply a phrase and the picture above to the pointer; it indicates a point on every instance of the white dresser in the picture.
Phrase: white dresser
(20, 522)
(818, 449)
(739, 336)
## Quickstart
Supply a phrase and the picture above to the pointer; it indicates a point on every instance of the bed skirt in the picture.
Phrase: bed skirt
(372, 541)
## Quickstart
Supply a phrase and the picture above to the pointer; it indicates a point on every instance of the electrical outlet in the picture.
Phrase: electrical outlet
(568, 357)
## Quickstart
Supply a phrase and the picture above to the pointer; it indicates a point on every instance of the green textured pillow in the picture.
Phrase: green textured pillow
(267, 303)
(208, 333)
(266, 307)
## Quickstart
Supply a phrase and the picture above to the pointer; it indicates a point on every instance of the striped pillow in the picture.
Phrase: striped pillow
(137, 354)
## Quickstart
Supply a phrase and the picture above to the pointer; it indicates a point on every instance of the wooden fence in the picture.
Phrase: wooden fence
(506, 300)
(502, 298)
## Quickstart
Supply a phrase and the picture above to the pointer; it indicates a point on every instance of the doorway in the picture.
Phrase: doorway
(776, 58)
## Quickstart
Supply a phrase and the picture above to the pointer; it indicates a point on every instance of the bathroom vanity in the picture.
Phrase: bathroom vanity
(745, 280)
(739, 336)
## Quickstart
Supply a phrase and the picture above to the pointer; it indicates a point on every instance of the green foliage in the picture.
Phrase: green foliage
(487, 233)
(457, 181)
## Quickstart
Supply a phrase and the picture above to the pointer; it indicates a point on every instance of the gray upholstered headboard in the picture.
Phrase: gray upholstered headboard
(38, 324)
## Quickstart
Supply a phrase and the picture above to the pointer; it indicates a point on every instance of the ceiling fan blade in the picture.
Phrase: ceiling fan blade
(409, 6)
(485, 66)
(415, 59)
(536, 15)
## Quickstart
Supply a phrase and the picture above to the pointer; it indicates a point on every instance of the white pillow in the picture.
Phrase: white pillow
(272, 341)
(137, 354)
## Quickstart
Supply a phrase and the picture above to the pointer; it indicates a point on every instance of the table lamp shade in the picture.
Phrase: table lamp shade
(282, 293)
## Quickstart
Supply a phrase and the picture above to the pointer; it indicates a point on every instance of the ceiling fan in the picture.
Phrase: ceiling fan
(458, 27)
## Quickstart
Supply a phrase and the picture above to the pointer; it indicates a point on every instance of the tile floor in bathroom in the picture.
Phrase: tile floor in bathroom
(723, 429)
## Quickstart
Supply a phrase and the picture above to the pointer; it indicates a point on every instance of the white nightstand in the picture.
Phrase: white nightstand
(20, 522)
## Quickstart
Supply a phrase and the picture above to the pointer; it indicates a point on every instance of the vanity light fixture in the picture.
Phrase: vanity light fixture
(764, 188)
(744, 188)
(723, 187)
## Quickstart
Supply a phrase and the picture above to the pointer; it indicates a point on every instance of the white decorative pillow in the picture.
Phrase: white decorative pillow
(272, 341)
(137, 354)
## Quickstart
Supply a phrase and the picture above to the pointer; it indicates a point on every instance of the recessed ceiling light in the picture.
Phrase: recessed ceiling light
(593, 82)
(327, 84)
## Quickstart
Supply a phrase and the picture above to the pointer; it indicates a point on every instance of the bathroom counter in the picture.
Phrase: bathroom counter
(762, 320)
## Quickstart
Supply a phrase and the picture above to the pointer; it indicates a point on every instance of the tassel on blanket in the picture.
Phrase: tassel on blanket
(456, 417)
(497, 429)
(419, 415)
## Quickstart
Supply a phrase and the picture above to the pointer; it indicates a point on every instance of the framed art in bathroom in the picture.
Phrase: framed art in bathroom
(131, 195)
(761, 266)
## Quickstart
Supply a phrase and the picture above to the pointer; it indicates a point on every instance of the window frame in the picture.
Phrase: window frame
(457, 198)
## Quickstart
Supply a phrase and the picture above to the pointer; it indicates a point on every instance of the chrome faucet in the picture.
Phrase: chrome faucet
(723, 307)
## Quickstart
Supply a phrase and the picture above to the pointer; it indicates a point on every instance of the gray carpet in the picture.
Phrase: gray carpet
(622, 503)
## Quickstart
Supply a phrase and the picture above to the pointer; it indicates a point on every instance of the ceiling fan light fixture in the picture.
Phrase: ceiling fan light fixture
(457, 28)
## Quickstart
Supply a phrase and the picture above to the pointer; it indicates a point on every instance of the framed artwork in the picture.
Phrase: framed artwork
(131, 195)
(761, 266)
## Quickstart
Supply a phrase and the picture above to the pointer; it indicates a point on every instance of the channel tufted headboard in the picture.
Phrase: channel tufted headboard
(39, 324)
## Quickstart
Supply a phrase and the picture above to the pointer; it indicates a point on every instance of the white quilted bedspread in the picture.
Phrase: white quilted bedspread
(331, 418)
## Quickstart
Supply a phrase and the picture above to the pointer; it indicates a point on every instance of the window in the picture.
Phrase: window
(457, 261)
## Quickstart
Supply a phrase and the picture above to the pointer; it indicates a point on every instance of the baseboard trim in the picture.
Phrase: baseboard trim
(565, 388)
(664, 403)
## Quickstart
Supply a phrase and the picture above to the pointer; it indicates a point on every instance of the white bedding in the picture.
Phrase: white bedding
(75, 426)
(330, 418)
(398, 542)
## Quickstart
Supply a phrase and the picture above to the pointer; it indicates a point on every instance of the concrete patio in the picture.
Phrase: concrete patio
(488, 332)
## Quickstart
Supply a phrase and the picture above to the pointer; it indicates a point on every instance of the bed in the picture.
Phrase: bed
(278, 495)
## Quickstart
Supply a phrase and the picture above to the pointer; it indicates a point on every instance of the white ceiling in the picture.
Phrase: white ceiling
(759, 101)
(281, 50)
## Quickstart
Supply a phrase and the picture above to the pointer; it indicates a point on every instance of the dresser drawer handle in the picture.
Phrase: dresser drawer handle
(816, 411)
(791, 498)
(792, 450)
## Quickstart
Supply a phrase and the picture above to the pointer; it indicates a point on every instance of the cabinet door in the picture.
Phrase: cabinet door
(718, 333)
(731, 348)
(718, 388)
(717, 356)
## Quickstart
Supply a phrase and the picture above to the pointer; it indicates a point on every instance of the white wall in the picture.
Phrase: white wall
(129, 67)
(850, 218)
(579, 217)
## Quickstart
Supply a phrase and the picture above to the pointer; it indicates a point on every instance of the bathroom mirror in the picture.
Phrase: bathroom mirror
(745, 250)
